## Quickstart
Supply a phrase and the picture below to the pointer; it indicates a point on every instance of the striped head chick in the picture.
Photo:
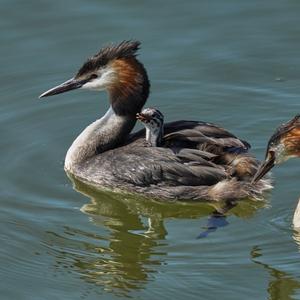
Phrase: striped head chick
(283, 144)
(153, 121)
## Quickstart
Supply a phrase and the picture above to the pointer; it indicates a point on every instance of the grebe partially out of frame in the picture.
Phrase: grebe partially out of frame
(283, 144)
(199, 160)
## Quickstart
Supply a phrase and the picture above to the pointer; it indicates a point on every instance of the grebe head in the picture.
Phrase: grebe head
(153, 120)
(284, 144)
(115, 69)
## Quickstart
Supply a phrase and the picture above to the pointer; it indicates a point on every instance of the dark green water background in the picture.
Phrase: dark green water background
(235, 63)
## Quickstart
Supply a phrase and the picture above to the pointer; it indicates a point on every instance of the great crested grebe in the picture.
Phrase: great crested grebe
(153, 121)
(202, 162)
(283, 144)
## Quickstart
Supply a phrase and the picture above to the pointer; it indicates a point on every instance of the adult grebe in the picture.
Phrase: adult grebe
(203, 161)
(283, 144)
(153, 121)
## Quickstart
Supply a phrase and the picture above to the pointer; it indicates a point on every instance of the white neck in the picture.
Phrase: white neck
(154, 136)
(102, 135)
(296, 218)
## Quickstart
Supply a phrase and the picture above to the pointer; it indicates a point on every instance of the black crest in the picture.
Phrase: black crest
(125, 49)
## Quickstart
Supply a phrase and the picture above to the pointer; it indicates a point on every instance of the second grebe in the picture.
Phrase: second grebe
(283, 144)
(203, 161)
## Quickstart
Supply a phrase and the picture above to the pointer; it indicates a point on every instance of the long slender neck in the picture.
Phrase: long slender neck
(154, 136)
(128, 93)
(102, 135)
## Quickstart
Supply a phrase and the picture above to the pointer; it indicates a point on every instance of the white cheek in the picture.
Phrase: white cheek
(105, 79)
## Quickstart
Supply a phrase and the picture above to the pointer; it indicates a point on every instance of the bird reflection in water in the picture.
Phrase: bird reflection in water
(281, 284)
(129, 242)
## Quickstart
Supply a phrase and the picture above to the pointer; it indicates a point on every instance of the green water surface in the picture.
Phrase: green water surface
(235, 63)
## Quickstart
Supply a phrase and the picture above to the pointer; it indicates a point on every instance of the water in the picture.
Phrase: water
(235, 63)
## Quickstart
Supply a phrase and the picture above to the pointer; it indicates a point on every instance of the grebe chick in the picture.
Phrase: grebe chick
(153, 121)
(283, 144)
(196, 165)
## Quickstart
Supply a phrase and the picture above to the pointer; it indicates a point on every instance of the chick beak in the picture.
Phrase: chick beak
(264, 168)
(68, 85)
(142, 117)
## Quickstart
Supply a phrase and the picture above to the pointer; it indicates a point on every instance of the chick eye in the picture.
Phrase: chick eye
(93, 76)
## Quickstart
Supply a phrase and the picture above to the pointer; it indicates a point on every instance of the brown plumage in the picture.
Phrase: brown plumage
(130, 84)
(292, 142)
(286, 132)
